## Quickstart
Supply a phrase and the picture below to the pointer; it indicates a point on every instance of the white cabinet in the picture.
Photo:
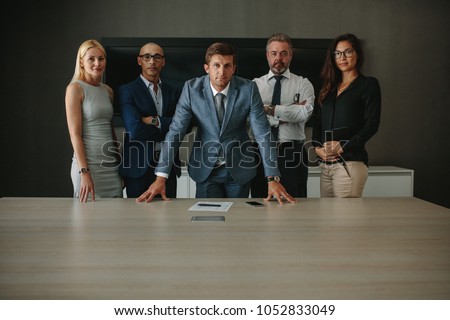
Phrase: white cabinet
(383, 181)
(185, 185)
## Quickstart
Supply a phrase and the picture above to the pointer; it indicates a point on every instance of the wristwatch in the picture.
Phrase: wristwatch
(154, 121)
(274, 178)
(83, 170)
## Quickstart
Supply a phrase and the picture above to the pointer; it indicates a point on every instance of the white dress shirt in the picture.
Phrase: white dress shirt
(295, 116)
(224, 92)
(158, 100)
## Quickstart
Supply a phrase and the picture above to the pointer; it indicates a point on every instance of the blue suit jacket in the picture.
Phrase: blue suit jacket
(135, 102)
(243, 102)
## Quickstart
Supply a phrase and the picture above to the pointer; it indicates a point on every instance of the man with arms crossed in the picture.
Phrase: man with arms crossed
(147, 106)
(287, 114)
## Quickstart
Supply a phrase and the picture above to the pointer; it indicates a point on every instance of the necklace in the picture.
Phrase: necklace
(345, 85)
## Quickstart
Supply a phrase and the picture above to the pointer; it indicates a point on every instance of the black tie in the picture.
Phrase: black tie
(276, 101)
(220, 106)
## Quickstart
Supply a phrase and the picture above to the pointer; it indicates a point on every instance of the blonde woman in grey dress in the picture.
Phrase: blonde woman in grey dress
(89, 113)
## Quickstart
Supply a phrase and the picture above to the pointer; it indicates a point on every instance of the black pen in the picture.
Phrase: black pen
(208, 205)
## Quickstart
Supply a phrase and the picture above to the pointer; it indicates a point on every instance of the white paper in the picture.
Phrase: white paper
(211, 206)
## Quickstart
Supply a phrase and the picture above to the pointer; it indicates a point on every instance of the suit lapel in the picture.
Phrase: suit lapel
(166, 99)
(148, 96)
(211, 107)
(231, 100)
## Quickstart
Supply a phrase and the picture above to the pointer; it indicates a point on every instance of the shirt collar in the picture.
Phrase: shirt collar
(148, 83)
(224, 91)
(286, 74)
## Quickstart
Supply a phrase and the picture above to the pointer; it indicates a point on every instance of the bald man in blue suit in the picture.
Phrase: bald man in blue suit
(147, 106)
(222, 162)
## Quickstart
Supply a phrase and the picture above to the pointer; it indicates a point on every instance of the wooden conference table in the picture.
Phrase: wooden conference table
(369, 248)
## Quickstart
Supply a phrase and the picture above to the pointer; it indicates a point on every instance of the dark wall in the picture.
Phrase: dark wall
(407, 46)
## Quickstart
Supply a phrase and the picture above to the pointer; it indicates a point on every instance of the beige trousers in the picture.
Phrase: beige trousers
(343, 181)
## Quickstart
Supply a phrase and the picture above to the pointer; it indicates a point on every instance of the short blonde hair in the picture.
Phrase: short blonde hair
(85, 46)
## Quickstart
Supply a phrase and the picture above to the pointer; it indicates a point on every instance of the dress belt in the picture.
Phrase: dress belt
(339, 160)
(290, 143)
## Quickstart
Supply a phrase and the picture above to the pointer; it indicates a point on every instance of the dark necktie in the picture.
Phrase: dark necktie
(220, 106)
(276, 101)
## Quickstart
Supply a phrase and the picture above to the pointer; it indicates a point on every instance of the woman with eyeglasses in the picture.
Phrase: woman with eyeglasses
(89, 111)
(348, 116)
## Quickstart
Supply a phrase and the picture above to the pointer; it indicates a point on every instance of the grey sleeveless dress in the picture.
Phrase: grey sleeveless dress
(97, 112)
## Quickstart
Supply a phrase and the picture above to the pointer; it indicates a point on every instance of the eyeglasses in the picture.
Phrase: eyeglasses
(347, 53)
(147, 57)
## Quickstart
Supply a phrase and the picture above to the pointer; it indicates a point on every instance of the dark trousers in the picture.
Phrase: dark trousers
(137, 186)
(220, 184)
(258, 186)
(293, 169)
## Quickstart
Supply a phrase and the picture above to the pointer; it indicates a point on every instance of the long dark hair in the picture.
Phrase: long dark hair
(330, 74)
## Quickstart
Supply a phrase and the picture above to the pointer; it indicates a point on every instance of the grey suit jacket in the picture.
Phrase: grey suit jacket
(243, 101)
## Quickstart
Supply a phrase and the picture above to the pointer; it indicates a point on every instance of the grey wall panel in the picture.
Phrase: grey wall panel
(406, 42)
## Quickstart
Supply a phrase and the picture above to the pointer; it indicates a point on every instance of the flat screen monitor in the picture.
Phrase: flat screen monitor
(185, 59)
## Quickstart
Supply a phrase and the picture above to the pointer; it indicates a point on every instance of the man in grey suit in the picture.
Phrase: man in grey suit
(222, 161)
